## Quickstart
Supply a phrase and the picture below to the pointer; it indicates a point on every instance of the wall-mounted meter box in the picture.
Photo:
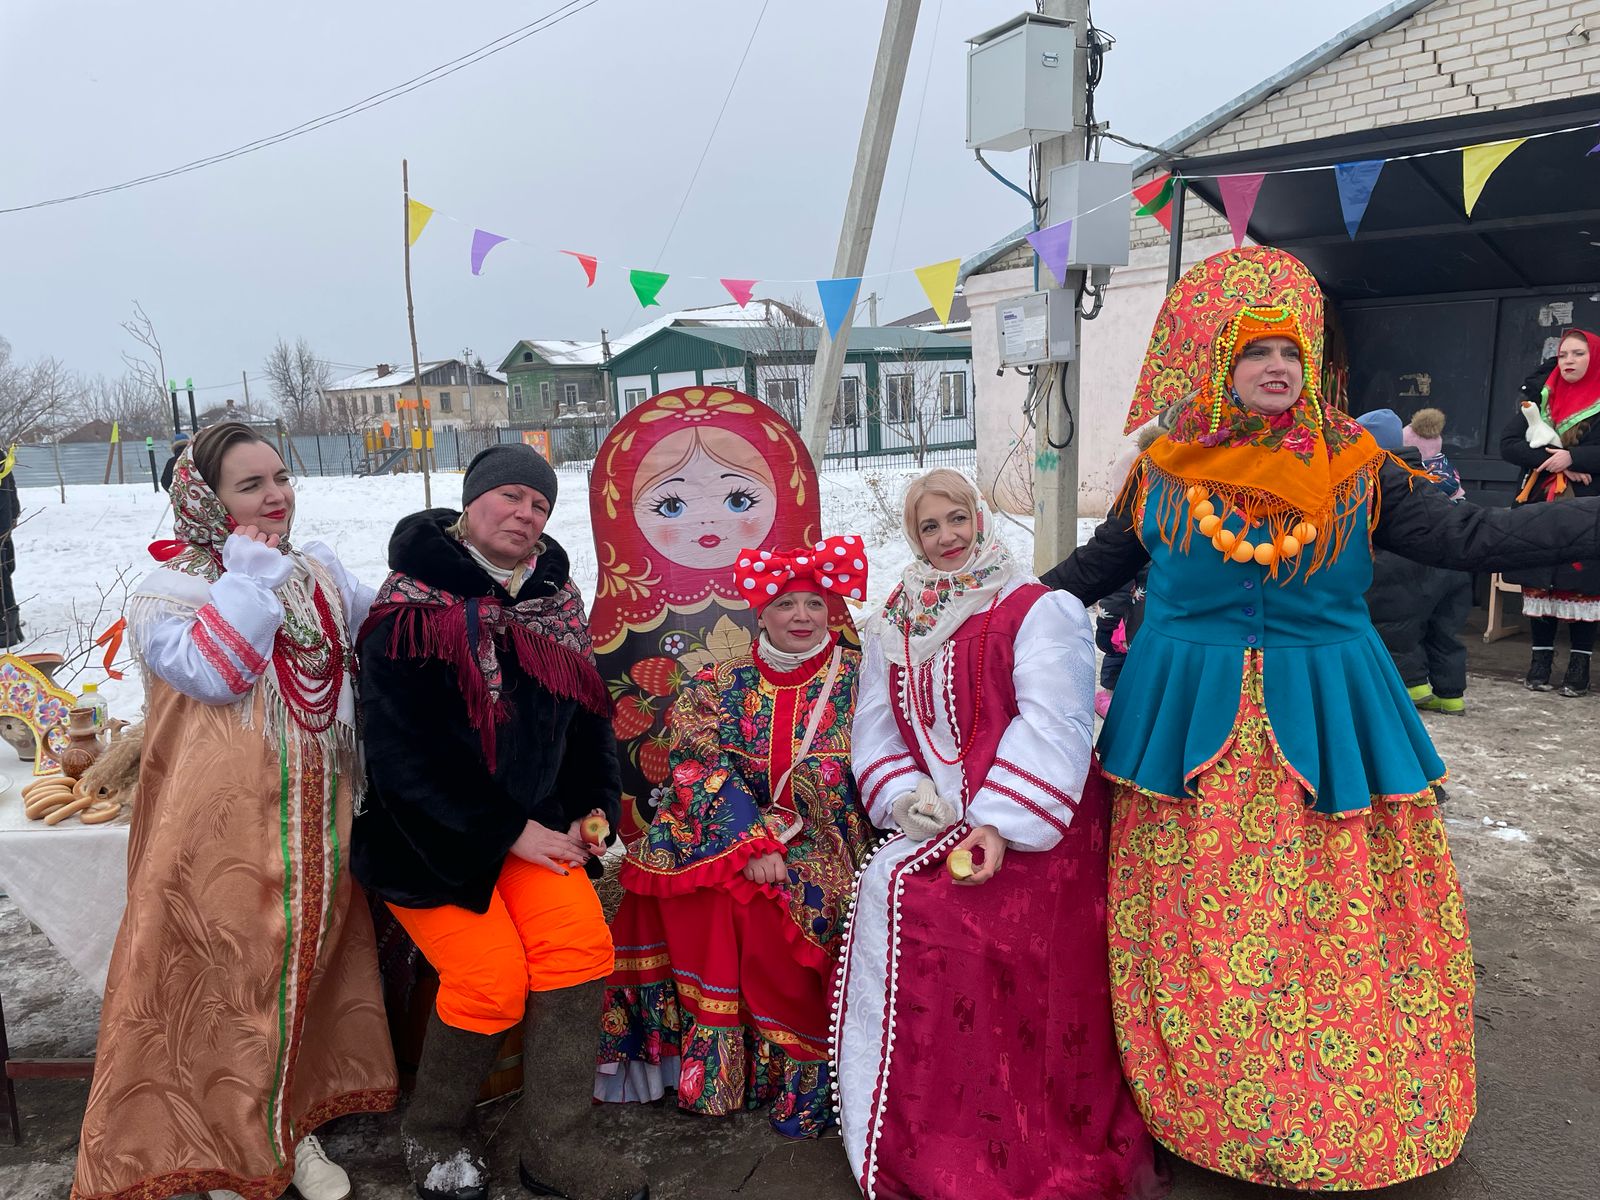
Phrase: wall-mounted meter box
(1037, 327)
(1019, 83)
(1094, 196)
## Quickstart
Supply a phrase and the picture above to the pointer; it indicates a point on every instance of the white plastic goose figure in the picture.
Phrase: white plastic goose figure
(1540, 433)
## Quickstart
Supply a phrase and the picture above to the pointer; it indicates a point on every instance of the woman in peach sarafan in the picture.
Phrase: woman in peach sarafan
(681, 485)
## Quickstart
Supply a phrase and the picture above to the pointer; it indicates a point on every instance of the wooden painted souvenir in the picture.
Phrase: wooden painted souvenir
(27, 695)
(681, 485)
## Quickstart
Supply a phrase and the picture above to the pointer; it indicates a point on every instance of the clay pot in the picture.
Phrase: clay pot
(83, 746)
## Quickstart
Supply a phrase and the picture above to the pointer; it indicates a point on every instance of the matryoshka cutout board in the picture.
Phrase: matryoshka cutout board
(681, 485)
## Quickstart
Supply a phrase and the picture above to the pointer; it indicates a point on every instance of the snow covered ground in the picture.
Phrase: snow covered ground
(67, 553)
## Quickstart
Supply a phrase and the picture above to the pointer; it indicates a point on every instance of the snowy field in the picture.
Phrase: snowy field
(68, 553)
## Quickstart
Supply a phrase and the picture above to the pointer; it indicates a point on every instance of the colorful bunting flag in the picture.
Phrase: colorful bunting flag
(647, 286)
(1355, 181)
(740, 289)
(1155, 199)
(1596, 150)
(1052, 244)
(417, 214)
(1480, 162)
(589, 262)
(838, 301)
(482, 242)
(1239, 194)
(938, 281)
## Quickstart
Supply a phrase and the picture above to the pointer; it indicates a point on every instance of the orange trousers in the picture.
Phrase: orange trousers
(542, 932)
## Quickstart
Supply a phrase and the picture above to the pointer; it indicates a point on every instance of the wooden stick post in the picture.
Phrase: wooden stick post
(411, 321)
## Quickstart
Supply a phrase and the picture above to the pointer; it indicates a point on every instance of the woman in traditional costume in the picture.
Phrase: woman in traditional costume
(1290, 966)
(489, 749)
(1566, 400)
(975, 1051)
(681, 483)
(242, 1009)
(736, 894)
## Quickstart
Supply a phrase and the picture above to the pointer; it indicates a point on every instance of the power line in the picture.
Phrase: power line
(550, 19)
(916, 134)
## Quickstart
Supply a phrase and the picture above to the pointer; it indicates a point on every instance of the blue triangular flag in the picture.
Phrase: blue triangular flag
(1355, 181)
(838, 301)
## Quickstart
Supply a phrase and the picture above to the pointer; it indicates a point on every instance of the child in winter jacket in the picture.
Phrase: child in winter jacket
(1419, 610)
(1424, 434)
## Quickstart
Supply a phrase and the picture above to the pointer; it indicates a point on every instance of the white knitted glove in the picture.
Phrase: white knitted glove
(265, 564)
(923, 813)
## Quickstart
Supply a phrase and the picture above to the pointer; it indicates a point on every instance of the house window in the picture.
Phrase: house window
(847, 412)
(544, 397)
(527, 356)
(516, 395)
(632, 398)
(393, 402)
(466, 401)
(897, 398)
(783, 391)
(569, 397)
(953, 394)
(444, 402)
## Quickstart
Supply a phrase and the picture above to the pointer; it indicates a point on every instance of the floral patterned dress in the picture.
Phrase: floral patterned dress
(720, 983)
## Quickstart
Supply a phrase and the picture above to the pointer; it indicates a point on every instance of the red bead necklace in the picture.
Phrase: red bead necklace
(311, 689)
(925, 709)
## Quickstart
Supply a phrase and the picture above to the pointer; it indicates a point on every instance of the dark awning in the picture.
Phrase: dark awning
(1536, 225)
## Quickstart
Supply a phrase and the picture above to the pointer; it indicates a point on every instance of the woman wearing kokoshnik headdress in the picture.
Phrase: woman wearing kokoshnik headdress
(736, 893)
(1564, 400)
(976, 1056)
(1290, 966)
(243, 1008)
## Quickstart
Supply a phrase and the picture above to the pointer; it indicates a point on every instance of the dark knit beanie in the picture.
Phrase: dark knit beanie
(508, 462)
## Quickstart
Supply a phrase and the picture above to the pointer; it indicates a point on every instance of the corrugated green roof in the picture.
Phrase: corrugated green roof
(763, 341)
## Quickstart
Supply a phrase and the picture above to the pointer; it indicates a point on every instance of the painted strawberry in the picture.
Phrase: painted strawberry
(656, 675)
(653, 757)
(634, 715)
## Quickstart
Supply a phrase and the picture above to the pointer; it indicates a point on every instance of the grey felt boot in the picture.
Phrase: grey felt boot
(562, 1152)
(443, 1152)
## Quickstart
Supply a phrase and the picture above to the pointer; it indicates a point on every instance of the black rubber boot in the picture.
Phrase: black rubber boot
(1539, 669)
(563, 1154)
(443, 1152)
(1576, 681)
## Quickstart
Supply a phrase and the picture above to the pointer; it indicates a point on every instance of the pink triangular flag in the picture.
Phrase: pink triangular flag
(589, 261)
(740, 289)
(1239, 194)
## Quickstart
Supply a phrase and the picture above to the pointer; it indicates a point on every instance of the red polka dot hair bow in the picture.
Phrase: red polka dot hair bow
(836, 566)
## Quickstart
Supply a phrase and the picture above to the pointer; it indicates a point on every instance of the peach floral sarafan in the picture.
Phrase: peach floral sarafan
(1337, 1059)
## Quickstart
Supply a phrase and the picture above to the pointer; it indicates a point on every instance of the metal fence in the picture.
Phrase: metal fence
(345, 454)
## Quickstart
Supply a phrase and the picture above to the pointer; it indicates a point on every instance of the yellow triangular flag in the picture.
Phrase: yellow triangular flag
(417, 214)
(938, 280)
(1480, 162)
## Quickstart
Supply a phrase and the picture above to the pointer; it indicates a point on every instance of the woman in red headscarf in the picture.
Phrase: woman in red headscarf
(737, 891)
(1555, 438)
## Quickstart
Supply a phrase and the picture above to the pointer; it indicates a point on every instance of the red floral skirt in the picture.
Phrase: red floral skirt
(1292, 991)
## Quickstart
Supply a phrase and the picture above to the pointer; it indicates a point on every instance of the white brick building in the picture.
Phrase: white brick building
(1421, 280)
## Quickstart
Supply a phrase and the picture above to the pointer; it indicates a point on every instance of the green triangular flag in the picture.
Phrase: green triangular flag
(647, 285)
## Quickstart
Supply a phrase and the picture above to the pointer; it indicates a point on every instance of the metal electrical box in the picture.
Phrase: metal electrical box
(1019, 83)
(1094, 195)
(1037, 328)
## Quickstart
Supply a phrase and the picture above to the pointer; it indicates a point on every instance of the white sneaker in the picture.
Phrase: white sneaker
(316, 1177)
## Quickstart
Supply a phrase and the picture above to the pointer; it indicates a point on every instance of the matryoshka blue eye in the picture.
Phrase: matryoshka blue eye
(669, 506)
(740, 501)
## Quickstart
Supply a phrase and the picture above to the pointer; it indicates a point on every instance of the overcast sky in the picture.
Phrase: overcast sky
(583, 137)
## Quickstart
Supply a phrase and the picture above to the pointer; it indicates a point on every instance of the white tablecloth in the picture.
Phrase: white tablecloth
(71, 879)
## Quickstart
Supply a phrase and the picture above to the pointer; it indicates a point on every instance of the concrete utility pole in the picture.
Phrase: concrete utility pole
(1055, 467)
(861, 208)
(466, 357)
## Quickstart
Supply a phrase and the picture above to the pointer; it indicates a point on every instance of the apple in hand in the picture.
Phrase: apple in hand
(959, 864)
(595, 829)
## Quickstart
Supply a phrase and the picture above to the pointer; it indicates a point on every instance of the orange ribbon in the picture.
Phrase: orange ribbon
(112, 635)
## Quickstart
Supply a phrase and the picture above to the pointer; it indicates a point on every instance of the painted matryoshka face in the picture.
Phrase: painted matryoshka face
(705, 511)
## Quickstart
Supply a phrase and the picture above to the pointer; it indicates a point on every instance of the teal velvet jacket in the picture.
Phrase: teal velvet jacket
(1338, 709)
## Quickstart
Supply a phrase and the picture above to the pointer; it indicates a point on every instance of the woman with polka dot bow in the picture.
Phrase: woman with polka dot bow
(736, 893)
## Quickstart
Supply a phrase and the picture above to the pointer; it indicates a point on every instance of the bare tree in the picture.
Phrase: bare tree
(149, 377)
(925, 401)
(125, 401)
(33, 396)
(783, 363)
(297, 378)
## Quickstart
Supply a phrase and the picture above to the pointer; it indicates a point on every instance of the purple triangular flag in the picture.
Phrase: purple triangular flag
(1052, 244)
(482, 242)
(1596, 150)
(1355, 181)
(1239, 194)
